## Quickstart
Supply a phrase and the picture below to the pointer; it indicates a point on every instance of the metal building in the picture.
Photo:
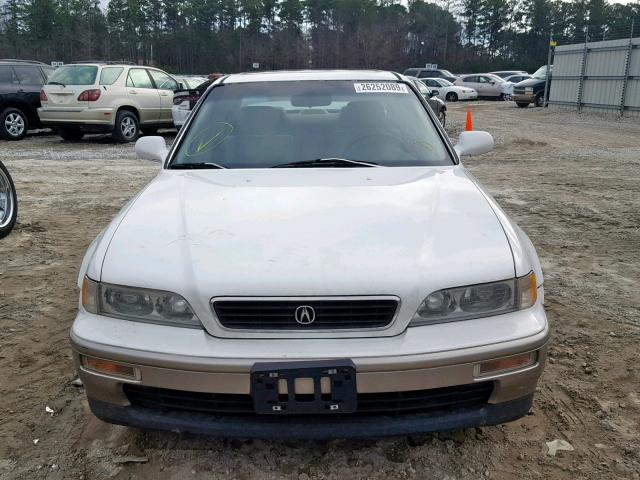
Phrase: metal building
(597, 76)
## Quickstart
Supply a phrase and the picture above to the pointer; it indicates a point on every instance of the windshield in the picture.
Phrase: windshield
(264, 124)
(541, 72)
(75, 75)
(444, 83)
(447, 73)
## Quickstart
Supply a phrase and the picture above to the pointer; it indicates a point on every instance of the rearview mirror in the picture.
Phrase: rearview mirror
(152, 148)
(473, 143)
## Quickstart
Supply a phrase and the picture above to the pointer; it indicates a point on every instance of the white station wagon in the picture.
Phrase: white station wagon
(312, 261)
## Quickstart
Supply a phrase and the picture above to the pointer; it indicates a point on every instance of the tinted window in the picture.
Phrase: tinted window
(75, 75)
(263, 124)
(139, 78)
(28, 75)
(470, 79)
(109, 75)
(163, 81)
(432, 83)
(411, 72)
(6, 74)
(429, 73)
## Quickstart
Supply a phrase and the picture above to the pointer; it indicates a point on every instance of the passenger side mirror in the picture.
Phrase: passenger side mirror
(152, 148)
(433, 93)
(473, 143)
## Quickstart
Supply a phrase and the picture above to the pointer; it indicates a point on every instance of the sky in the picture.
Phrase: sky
(104, 3)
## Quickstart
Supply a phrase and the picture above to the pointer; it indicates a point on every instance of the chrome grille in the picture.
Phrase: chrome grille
(334, 314)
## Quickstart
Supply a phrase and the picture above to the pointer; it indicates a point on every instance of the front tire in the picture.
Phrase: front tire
(71, 134)
(451, 97)
(522, 104)
(8, 202)
(539, 101)
(127, 128)
(13, 124)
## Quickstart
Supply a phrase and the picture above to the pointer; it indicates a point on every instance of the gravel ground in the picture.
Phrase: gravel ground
(571, 181)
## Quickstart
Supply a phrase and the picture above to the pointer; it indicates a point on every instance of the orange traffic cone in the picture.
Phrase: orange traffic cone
(469, 126)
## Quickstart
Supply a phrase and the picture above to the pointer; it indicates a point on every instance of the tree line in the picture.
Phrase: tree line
(203, 36)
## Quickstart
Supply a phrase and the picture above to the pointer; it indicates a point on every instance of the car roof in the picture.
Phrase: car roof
(15, 61)
(298, 75)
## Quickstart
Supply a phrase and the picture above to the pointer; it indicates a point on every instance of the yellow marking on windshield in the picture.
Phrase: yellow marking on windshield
(212, 142)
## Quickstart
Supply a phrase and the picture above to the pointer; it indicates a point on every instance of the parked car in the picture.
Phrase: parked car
(510, 81)
(430, 73)
(532, 90)
(20, 84)
(8, 202)
(446, 90)
(311, 261)
(508, 73)
(185, 100)
(120, 99)
(188, 82)
(437, 105)
(486, 84)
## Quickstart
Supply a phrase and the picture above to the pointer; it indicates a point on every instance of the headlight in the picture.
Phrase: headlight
(138, 304)
(475, 301)
(528, 89)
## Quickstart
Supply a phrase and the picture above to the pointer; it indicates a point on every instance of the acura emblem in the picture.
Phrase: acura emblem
(305, 315)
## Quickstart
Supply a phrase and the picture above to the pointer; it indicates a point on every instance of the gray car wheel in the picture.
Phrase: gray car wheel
(8, 202)
(126, 128)
(13, 124)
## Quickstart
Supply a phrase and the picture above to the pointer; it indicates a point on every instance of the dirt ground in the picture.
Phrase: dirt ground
(571, 181)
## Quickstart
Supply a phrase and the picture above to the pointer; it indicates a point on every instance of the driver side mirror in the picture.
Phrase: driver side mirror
(473, 142)
(152, 148)
(432, 93)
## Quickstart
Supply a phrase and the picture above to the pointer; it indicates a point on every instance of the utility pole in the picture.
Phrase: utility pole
(552, 44)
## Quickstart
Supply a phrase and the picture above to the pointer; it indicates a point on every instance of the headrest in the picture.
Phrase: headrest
(259, 119)
(362, 113)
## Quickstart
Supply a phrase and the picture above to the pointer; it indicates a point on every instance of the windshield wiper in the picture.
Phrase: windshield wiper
(326, 162)
(196, 166)
(56, 83)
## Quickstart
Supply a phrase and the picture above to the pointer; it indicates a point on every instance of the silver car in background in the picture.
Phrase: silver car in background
(486, 84)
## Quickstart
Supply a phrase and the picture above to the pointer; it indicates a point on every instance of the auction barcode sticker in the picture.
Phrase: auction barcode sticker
(380, 87)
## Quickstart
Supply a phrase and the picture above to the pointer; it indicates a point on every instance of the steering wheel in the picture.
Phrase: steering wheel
(377, 137)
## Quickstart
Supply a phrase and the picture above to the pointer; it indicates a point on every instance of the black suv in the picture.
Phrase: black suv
(532, 90)
(20, 85)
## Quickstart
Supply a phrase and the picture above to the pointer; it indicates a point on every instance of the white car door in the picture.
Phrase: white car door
(434, 86)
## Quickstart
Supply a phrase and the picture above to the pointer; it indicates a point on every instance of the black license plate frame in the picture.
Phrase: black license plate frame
(343, 398)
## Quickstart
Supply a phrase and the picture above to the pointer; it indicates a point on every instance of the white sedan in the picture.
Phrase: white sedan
(448, 91)
(311, 261)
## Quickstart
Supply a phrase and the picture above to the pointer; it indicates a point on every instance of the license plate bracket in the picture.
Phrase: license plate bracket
(267, 398)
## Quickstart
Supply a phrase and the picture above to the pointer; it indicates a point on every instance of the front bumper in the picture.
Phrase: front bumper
(385, 365)
(77, 116)
(524, 97)
(314, 428)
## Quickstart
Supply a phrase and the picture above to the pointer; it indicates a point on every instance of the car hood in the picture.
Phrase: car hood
(530, 82)
(302, 232)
